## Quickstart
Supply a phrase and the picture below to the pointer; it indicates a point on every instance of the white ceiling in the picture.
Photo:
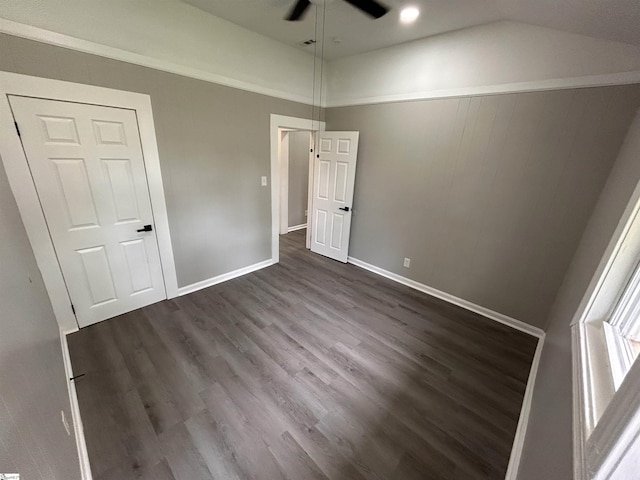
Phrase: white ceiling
(617, 20)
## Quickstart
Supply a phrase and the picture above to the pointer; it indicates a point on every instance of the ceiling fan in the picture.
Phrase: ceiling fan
(370, 7)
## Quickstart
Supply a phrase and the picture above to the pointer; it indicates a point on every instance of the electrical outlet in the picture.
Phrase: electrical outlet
(263, 181)
(407, 262)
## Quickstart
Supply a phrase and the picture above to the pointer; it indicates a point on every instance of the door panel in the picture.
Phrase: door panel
(334, 173)
(88, 169)
(120, 183)
(320, 233)
(58, 130)
(98, 273)
(137, 263)
(337, 227)
(74, 189)
(109, 133)
(342, 172)
(323, 179)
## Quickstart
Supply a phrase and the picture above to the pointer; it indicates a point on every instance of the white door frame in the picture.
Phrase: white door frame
(283, 159)
(24, 190)
(293, 123)
(283, 177)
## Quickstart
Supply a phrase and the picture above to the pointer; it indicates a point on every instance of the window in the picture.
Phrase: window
(622, 330)
(606, 379)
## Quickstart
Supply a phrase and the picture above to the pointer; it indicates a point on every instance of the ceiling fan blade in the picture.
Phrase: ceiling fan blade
(298, 10)
(371, 7)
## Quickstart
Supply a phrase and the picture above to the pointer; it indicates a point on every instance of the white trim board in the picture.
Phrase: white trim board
(66, 41)
(277, 122)
(283, 177)
(525, 411)
(297, 227)
(579, 413)
(609, 79)
(485, 312)
(612, 449)
(194, 287)
(83, 455)
(24, 191)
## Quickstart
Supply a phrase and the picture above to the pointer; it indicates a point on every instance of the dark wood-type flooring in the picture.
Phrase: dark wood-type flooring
(309, 369)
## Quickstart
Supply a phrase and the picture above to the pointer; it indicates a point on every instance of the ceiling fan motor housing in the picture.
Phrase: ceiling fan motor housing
(371, 7)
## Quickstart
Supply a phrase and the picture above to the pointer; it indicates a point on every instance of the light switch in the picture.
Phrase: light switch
(264, 181)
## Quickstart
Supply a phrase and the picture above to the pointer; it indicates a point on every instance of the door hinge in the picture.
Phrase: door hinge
(17, 128)
(73, 309)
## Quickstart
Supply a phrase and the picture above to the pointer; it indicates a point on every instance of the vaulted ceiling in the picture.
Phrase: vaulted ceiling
(347, 31)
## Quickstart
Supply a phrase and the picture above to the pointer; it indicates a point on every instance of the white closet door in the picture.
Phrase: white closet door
(88, 168)
(333, 183)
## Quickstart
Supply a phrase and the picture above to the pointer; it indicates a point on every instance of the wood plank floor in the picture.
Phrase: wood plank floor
(309, 369)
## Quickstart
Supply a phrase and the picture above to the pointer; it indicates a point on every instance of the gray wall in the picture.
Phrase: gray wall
(214, 147)
(548, 448)
(33, 388)
(488, 196)
(298, 177)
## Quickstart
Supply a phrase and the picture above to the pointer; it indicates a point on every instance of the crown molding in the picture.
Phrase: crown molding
(66, 41)
(609, 79)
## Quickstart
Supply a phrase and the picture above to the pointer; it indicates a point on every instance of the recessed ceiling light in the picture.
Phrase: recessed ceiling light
(409, 14)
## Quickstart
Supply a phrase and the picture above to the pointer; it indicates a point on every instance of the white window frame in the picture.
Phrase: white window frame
(622, 326)
(24, 190)
(606, 417)
(625, 316)
(620, 351)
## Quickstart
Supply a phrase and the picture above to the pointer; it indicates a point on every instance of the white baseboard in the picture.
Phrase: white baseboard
(194, 287)
(296, 227)
(485, 312)
(523, 420)
(518, 444)
(85, 467)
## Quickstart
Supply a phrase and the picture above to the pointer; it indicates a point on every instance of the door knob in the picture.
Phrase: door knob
(346, 209)
(146, 228)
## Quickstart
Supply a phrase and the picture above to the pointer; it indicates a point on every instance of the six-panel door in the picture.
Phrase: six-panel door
(333, 184)
(88, 168)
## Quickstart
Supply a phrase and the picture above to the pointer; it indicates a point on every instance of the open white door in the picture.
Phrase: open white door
(333, 182)
(89, 172)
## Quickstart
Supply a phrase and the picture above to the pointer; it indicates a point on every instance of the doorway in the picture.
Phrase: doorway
(295, 161)
(330, 186)
(280, 128)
